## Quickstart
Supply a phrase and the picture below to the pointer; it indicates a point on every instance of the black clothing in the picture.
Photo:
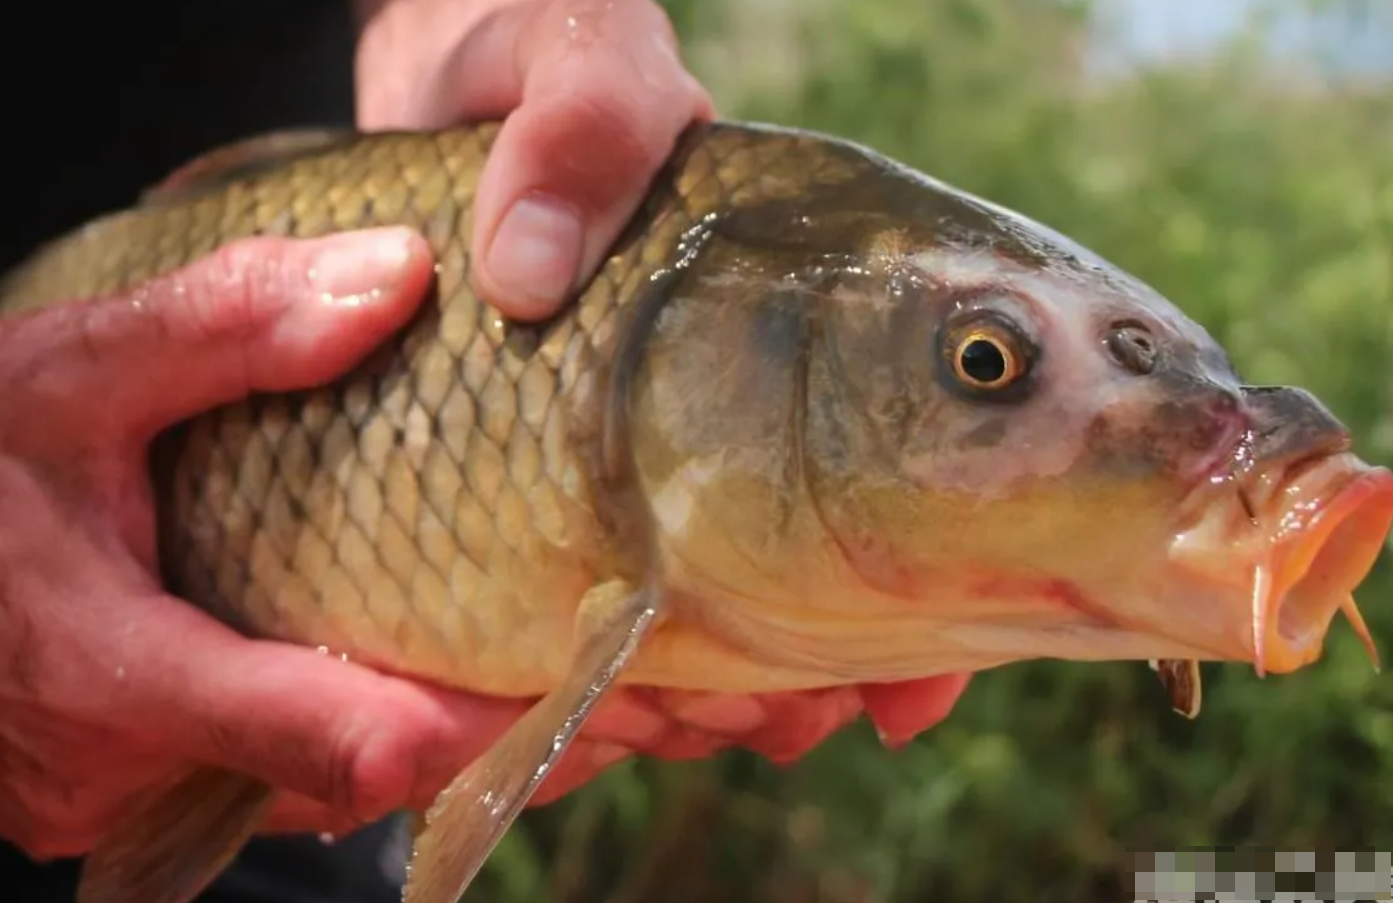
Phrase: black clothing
(102, 100)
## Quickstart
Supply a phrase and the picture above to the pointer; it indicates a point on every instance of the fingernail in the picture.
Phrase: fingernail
(603, 755)
(893, 741)
(625, 718)
(732, 715)
(536, 252)
(357, 268)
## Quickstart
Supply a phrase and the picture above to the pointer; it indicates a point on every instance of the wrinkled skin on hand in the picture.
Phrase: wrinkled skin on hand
(109, 687)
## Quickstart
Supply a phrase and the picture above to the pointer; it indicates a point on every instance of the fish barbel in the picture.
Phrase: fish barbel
(818, 420)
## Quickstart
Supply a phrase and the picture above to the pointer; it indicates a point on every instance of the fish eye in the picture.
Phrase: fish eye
(1132, 347)
(988, 357)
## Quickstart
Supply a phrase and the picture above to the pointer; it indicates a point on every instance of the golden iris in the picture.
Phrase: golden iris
(988, 359)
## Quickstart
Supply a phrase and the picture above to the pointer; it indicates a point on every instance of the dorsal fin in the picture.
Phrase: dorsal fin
(241, 159)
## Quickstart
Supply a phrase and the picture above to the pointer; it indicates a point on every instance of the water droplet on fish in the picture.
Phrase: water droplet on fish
(572, 26)
(121, 673)
(322, 650)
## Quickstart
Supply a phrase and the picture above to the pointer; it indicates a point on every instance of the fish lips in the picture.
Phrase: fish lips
(1297, 540)
(1330, 526)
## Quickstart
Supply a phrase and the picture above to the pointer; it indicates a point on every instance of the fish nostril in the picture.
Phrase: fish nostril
(1132, 346)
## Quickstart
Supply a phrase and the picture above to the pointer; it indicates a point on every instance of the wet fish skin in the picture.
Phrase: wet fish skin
(434, 513)
(440, 513)
(748, 432)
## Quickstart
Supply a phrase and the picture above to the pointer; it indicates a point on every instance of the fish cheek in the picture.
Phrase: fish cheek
(985, 435)
(717, 420)
(870, 384)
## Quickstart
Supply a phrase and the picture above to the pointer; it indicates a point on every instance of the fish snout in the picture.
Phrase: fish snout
(1291, 424)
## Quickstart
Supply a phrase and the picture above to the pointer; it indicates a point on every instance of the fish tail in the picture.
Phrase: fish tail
(178, 842)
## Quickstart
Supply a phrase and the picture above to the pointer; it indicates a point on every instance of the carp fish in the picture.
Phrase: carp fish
(818, 420)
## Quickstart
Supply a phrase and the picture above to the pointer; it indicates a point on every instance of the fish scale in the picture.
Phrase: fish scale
(819, 421)
(432, 512)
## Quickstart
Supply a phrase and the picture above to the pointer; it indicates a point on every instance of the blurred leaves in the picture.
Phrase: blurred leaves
(1258, 195)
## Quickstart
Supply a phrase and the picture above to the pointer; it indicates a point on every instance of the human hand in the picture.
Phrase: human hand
(107, 685)
(783, 727)
(595, 95)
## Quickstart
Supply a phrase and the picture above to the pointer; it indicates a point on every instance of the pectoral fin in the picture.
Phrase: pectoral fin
(471, 815)
(173, 847)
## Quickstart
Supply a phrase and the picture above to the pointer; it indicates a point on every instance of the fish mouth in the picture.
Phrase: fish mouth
(1294, 541)
(1329, 518)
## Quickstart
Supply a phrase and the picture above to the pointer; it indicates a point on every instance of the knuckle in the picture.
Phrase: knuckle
(47, 848)
(27, 667)
(614, 103)
(597, 148)
(627, 128)
(52, 824)
(228, 294)
(215, 295)
(368, 777)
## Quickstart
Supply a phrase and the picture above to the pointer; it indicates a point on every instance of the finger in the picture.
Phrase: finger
(799, 721)
(653, 722)
(901, 711)
(687, 744)
(729, 714)
(59, 800)
(259, 314)
(626, 716)
(409, 64)
(600, 96)
(361, 742)
(581, 764)
(295, 813)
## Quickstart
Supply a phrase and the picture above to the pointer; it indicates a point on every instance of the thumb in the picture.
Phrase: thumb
(600, 95)
(259, 314)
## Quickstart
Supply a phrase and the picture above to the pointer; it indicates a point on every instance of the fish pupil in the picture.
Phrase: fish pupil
(983, 361)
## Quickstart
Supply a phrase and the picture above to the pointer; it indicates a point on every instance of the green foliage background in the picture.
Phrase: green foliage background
(1255, 192)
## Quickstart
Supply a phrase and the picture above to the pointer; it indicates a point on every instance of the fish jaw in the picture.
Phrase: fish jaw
(1295, 542)
(1187, 592)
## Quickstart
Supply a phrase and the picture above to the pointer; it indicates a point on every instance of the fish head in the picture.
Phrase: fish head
(1048, 458)
(998, 446)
